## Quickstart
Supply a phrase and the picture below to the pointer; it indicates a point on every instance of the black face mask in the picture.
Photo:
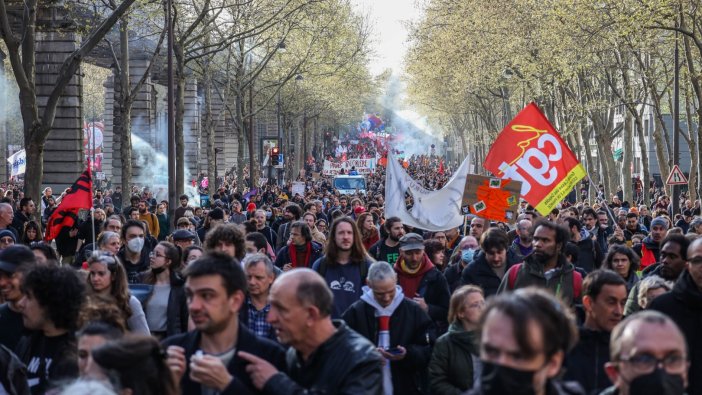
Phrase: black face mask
(158, 270)
(658, 382)
(501, 380)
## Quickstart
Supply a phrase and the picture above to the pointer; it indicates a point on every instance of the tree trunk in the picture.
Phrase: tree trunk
(628, 157)
(644, 158)
(125, 107)
(209, 130)
(179, 118)
(34, 170)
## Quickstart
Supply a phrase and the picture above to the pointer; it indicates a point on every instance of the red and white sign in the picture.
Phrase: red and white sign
(363, 166)
(530, 150)
(676, 177)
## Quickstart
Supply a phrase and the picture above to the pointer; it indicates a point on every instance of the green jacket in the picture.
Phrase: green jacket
(451, 370)
(531, 273)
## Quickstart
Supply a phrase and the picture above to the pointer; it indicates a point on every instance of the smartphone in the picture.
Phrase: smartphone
(393, 351)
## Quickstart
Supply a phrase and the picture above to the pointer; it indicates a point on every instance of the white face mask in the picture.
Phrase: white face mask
(136, 244)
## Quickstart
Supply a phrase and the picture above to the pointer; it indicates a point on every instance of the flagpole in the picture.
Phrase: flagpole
(92, 206)
(607, 208)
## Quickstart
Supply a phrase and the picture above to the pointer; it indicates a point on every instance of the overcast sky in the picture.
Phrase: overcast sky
(389, 35)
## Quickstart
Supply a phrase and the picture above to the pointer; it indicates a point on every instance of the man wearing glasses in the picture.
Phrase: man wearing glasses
(684, 305)
(648, 356)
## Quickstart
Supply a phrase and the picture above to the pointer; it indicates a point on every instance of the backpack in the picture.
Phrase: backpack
(514, 270)
(322, 270)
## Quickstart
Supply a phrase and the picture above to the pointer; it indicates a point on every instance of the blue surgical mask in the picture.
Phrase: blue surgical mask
(268, 214)
(467, 255)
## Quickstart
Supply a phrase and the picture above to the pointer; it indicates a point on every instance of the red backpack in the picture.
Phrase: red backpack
(514, 270)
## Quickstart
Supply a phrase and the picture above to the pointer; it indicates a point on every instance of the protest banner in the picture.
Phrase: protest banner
(363, 166)
(491, 198)
(298, 187)
(530, 150)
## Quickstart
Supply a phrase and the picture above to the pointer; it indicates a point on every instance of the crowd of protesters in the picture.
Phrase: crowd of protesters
(274, 293)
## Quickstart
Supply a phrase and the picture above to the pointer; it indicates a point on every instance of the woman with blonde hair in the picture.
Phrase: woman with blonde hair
(455, 366)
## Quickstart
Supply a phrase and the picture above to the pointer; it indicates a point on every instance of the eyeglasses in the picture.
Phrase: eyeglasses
(646, 363)
(154, 254)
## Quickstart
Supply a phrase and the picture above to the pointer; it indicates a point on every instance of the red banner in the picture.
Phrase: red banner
(79, 196)
(530, 150)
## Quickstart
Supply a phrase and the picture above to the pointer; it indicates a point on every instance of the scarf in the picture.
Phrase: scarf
(411, 280)
(292, 250)
(384, 314)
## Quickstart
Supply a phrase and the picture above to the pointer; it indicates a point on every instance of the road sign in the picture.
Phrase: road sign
(676, 177)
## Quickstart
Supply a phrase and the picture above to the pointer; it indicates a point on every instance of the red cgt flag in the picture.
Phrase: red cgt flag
(441, 167)
(78, 197)
(530, 150)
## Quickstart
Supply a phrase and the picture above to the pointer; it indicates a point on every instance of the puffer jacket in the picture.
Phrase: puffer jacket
(684, 305)
(347, 363)
(451, 369)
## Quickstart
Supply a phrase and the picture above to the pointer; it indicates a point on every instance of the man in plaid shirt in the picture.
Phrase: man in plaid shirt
(260, 274)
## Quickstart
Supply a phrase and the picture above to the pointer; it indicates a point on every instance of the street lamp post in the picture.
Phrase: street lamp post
(676, 125)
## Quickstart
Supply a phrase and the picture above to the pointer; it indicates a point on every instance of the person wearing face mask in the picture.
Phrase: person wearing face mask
(648, 356)
(683, 304)
(524, 336)
(133, 254)
(489, 266)
(165, 307)
(459, 260)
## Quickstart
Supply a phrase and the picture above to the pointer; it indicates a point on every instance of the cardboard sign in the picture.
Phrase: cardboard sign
(298, 187)
(530, 150)
(491, 198)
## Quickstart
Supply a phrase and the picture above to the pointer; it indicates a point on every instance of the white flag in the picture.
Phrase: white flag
(432, 210)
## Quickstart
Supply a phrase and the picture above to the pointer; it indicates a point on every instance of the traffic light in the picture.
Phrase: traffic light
(275, 156)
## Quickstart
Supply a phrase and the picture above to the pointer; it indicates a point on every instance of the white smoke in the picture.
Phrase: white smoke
(153, 171)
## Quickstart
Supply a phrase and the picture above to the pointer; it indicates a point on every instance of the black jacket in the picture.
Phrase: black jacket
(435, 291)
(585, 362)
(553, 387)
(346, 364)
(411, 328)
(589, 254)
(684, 305)
(13, 374)
(453, 274)
(283, 255)
(479, 272)
(177, 309)
(246, 341)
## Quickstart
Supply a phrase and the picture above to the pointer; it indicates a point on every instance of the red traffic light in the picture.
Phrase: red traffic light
(275, 151)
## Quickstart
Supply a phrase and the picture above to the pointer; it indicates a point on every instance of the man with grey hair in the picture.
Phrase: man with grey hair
(647, 356)
(6, 217)
(403, 331)
(325, 355)
(260, 274)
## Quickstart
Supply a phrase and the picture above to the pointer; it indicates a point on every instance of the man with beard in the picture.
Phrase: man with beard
(180, 211)
(206, 360)
(604, 296)
(388, 249)
(632, 226)
(673, 258)
(344, 265)
(27, 208)
(301, 251)
(117, 199)
(491, 263)
(522, 244)
(149, 218)
(547, 266)
(589, 253)
(422, 281)
(649, 249)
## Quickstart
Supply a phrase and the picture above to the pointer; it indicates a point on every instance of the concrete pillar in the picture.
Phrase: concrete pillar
(109, 154)
(3, 126)
(191, 131)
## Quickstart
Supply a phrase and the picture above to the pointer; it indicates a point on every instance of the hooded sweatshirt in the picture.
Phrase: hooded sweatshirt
(383, 314)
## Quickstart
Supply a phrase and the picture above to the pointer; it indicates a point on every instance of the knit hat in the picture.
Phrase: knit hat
(251, 206)
(659, 221)
(7, 232)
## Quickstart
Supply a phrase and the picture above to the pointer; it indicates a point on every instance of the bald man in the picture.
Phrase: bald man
(6, 216)
(324, 354)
